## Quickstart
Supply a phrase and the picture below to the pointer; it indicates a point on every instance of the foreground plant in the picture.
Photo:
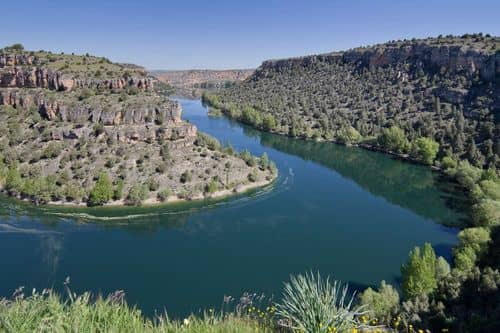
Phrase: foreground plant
(49, 312)
(315, 305)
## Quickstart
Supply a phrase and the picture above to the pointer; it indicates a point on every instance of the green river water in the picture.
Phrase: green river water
(346, 212)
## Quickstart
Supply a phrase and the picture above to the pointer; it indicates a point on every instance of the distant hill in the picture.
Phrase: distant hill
(194, 82)
(443, 88)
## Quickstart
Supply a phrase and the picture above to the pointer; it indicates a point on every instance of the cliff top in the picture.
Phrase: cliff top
(79, 66)
(479, 42)
(483, 43)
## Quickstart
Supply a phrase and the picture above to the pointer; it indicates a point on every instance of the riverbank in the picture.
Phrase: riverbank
(155, 201)
(217, 110)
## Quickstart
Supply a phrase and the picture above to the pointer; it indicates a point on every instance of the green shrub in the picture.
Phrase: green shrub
(185, 177)
(13, 181)
(211, 187)
(426, 150)
(102, 191)
(268, 122)
(486, 213)
(393, 139)
(252, 176)
(448, 162)
(466, 174)
(383, 303)
(118, 191)
(164, 194)
(264, 161)
(52, 150)
(137, 194)
(153, 184)
(348, 135)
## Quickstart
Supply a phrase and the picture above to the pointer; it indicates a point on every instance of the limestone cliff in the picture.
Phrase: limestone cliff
(67, 120)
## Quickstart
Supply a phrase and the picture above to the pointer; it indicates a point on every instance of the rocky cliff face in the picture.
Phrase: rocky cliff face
(37, 77)
(125, 101)
(455, 58)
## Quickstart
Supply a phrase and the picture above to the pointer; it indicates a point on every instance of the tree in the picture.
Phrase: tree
(102, 191)
(486, 213)
(419, 273)
(15, 47)
(118, 191)
(268, 122)
(393, 139)
(426, 149)
(13, 181)
(348, 135)
(264, 161)
(384, 302)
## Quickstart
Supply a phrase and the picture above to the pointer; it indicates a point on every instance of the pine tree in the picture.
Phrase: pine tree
(102, 191)
(419, 273)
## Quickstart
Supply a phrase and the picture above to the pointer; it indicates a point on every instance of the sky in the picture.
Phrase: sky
(229, 34)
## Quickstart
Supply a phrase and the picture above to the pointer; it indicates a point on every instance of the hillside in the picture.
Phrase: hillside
(81, 129)
(384, 96)
(193, 82)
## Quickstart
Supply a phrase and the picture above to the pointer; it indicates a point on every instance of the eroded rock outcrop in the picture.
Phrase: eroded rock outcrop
(456, 58)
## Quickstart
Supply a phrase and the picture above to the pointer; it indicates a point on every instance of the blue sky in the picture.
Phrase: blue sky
(232, 34)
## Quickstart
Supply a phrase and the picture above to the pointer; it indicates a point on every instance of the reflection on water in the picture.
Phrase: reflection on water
(404, 184)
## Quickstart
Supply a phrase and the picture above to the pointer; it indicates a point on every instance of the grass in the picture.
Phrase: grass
(49, 312)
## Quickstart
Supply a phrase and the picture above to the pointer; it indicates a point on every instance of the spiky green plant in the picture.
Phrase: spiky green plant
(315, 305)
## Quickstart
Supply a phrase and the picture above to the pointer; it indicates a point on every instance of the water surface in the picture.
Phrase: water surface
(349, 213)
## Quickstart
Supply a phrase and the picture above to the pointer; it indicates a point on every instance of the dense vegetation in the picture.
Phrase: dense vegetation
(456, 112)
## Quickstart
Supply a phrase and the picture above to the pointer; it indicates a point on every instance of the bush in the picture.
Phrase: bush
(118, 191)
(426, 150)
(204, 140)
(248, 158)
(52, 150)
(153, 184)
(448, 162)
(312, 304)
(348, 135)
(13, 181)
(85, 93)
(486, 213)
(264, 161)
(185, 177)
(211, 187)
(102, 191)
(74, 192)
(268, 122)
(252, 176)
(164, 194)
(393, 139)
(466, 174)
(383, 303)
(137, 194)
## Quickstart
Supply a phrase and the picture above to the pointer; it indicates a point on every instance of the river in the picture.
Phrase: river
(345, 212)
